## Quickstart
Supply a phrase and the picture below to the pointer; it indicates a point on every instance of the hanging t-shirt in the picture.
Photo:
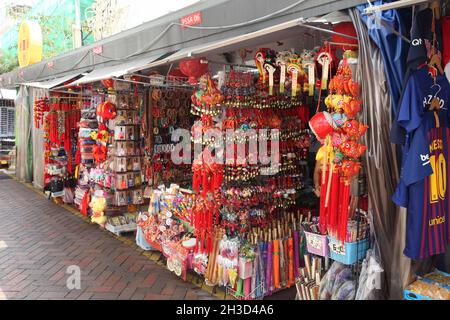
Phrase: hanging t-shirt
(424, 180)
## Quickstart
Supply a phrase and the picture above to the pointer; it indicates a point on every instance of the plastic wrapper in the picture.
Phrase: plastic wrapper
(346, 291)
(370, 279)
(343, 276)
(327, 283)
(430, 290)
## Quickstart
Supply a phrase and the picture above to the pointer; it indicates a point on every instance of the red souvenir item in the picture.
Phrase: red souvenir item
(176, 75)
(106, 111)
(321, 125)
(354, 129)
(100, 152)
(352, 149)
(341, 151)
(194, 68)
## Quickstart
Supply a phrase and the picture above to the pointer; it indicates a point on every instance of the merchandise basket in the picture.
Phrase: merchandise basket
(317, 244)
(349, 252)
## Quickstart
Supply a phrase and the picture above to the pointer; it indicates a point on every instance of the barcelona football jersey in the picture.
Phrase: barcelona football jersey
(423, 187)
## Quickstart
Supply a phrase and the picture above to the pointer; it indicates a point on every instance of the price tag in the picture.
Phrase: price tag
(315, 242)
(337, 248)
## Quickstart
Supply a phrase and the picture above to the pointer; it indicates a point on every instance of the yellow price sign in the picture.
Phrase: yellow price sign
(29, 47)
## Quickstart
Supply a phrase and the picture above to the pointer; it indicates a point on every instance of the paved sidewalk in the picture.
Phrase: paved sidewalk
(39, 240)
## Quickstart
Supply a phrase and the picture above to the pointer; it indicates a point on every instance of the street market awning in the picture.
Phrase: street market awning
(266, 35)
(51, 83)
(117, 70)
(233, 43)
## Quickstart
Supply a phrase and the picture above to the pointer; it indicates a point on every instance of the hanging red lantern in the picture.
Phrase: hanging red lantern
(194, 68)
(175, 76)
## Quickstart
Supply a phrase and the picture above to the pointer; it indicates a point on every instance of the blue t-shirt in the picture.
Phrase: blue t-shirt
(423, 187)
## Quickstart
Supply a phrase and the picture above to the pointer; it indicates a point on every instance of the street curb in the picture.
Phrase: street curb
(154, 256)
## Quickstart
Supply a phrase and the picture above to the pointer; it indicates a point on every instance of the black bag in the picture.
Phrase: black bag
(56, 185)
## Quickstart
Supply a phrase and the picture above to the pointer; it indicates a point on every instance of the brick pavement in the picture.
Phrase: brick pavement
(40, 240)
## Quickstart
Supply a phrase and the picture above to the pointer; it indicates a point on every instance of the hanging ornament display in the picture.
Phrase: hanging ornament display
(339, 132)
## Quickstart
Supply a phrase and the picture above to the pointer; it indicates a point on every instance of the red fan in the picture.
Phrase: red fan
(194, 68)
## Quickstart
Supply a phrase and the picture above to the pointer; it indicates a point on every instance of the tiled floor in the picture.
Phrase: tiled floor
(40, 240)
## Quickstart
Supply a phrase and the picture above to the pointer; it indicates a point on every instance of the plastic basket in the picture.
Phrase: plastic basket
(349, 252)
(317, 244)
(410, 295)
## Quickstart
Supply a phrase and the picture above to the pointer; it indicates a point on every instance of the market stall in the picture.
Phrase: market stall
(249, 161)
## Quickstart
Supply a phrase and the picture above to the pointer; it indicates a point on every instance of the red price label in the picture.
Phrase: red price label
(192, 19)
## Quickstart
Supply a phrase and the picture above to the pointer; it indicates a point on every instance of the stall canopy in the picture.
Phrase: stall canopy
(116, 70)
(51, 83)
(282, 30)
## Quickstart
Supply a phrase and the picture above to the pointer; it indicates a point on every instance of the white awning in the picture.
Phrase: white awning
(117, 70)
(50, 83)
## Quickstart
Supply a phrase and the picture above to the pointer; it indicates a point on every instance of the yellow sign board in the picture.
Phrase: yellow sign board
(29, 47)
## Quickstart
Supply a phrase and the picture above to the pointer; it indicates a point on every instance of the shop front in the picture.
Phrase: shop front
(261, 162)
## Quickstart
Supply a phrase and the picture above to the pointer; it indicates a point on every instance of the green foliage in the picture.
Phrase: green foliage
(8, 61)
(56, 34)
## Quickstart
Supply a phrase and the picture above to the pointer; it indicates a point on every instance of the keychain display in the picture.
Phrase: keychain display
(170, 110)
(127, 156)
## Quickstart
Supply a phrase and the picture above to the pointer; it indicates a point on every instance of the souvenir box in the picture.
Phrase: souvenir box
(433, 286)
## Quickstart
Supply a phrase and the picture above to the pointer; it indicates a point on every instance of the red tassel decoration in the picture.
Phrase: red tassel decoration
(323, 219)
(196, 181)
(334, 203)
(343, 215)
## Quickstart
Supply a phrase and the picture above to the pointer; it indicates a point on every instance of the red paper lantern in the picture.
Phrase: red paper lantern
(194, 68)
(175, 75)
(348, 29)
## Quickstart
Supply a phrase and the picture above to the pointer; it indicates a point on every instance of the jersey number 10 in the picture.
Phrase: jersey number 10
(438, 179)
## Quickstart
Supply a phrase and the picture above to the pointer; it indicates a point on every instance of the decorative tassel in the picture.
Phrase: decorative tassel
(196, 181)
(343, 216)
(323, 219)
(334, 203)
(204, 184)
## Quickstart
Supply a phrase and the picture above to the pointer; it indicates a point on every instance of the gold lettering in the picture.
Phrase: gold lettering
(436, 145)
(436, 221)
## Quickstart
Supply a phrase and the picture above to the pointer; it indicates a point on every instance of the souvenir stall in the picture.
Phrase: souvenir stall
(251, 222)
(57, 117)
(110, 180)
